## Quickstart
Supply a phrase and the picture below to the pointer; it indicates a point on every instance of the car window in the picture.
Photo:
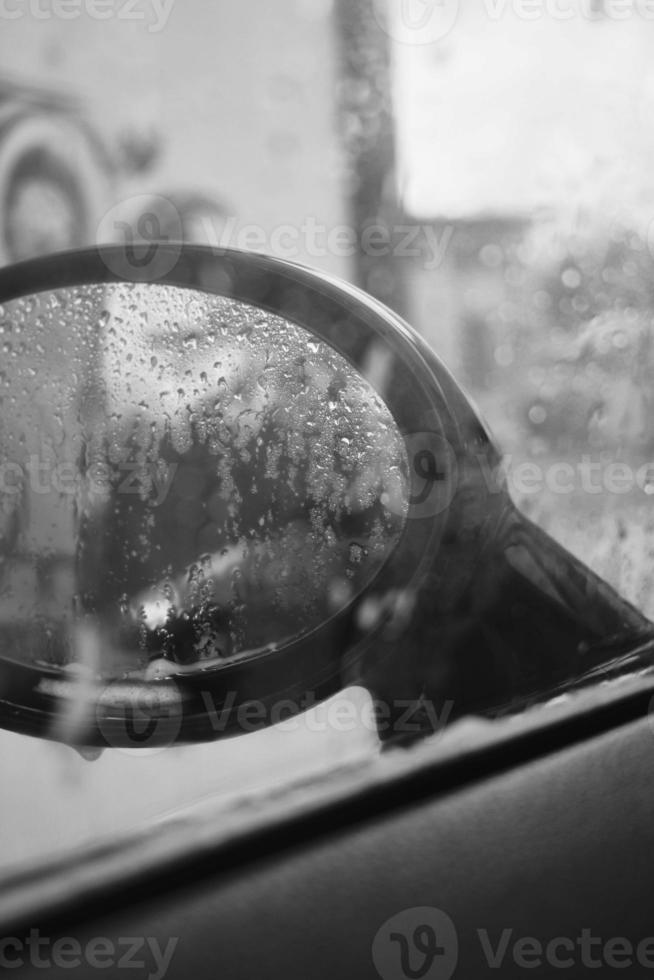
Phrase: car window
(425, 152)
(533, 196)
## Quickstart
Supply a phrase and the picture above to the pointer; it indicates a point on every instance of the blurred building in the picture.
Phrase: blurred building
(513, 124)
(233, 105)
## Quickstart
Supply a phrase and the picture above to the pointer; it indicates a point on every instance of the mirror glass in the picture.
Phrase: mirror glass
(184, 480)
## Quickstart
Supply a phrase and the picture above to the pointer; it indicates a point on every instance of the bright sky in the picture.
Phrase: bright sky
(501, 114)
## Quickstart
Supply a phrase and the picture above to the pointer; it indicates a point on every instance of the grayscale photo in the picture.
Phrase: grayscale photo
(326, 489)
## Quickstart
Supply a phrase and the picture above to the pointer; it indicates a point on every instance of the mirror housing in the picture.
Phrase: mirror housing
(474, 610)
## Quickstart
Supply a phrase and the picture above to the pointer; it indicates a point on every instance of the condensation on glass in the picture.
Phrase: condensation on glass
(185, 478)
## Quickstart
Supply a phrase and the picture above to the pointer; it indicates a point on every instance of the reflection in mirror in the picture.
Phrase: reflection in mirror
(185, 480)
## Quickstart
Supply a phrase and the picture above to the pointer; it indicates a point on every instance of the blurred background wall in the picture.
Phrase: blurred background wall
(231, 104)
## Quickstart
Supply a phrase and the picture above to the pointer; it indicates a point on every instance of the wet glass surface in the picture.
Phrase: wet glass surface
(185, 478)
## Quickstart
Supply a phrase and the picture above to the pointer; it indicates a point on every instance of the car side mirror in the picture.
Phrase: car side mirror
(230, 483)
